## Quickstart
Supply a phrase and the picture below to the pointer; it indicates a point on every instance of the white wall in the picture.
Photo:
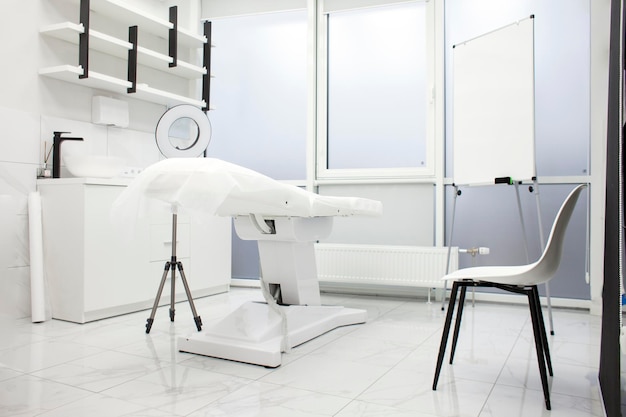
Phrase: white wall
(32, 107)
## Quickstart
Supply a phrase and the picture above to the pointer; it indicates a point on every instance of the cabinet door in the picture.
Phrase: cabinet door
(116, 261)
(161, 241)
(210, 263)
(63, 245)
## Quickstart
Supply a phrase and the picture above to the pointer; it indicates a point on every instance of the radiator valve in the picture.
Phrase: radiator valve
(476, 251)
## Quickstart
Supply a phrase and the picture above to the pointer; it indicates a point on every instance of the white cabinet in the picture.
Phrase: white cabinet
(172, 51)
(94, 270)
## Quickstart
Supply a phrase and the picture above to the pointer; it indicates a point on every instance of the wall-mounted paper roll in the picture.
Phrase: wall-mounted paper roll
(35, 236)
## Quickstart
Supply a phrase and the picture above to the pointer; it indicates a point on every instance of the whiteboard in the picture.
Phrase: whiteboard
(493, 106)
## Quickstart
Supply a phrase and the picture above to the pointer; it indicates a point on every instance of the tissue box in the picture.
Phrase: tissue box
(109, 111)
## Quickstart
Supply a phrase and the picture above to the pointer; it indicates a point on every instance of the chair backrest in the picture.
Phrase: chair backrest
(547, 265)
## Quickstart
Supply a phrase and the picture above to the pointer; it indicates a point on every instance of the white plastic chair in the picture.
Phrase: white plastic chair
(521, 279)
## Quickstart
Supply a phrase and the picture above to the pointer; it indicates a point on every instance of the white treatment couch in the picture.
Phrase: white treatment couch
(286, 221)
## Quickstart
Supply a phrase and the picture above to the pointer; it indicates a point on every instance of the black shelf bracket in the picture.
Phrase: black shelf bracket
(206, 78)
(132, 59)
(83, 39)
(173, 36)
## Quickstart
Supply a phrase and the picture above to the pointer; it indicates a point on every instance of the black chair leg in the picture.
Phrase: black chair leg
(534, 315)
(544, 335)
(444, 334)
(457, 323)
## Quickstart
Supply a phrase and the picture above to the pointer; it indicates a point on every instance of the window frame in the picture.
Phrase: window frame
(429, 170)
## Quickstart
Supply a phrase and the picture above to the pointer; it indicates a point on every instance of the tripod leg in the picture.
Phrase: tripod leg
(173, 289)
(158, 297)
(196, 317)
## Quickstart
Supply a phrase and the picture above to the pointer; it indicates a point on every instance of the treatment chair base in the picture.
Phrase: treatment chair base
(254, 332)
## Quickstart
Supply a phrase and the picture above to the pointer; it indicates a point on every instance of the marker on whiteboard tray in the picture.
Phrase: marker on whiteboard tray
(503, 180)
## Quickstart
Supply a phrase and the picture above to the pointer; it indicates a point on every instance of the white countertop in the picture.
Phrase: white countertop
(117, 182)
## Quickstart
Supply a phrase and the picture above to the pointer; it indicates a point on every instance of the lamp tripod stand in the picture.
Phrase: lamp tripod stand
(173, 264)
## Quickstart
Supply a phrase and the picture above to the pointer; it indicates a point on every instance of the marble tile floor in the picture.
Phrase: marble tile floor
(385, 367)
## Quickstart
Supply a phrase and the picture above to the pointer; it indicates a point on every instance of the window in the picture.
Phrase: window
(377, 92)
(259, 93)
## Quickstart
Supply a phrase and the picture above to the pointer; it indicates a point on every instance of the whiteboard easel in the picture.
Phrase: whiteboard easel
(494, 115)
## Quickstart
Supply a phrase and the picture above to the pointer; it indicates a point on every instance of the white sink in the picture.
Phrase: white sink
(94, 166)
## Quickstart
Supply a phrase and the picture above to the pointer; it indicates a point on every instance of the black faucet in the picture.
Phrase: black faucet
(56, 153)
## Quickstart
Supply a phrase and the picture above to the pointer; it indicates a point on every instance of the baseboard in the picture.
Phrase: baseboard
(422, 293)
(245, 283)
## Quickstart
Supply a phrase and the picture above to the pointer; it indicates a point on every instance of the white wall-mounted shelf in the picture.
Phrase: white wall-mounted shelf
(70, 73)
(69, 32)
(122, 12)
(127, 14)
(147, 93)
(100, 81)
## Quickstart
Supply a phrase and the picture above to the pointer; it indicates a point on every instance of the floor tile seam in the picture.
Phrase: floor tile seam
(194, 410)
(540, 389)
(495, 382)
(569, 342)
(408, 410)
(508, 356)
(136, 355)
(106, 392)
(550, 379)
(393, 309)
(356, 396)
(24, 344)
(556, 360)
(81, 357)
(39, 329)
(159, 363)
(404, 344)
(138, 404)
(410, 349)
(155, 358)
(54, 381)
(213, 371)
(20, 371)
(335, 395)
(48, 410)
(346, 405)
(67, 362)
(349, 400)
(91, 391)
(148, 372)
(486, 401)
(389, 370)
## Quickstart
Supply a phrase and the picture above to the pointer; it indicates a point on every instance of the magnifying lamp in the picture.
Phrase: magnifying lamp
(183, 131)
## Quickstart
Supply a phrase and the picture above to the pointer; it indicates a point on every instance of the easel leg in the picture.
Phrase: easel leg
(457, 193)
(521, 218)
(158, 297)
(535, 189)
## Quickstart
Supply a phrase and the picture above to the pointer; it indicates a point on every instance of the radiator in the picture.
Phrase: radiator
(408, 266)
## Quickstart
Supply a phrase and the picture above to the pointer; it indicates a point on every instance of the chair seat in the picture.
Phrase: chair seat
(510, 275)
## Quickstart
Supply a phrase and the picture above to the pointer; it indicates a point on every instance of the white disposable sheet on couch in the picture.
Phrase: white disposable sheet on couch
(285, 220)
